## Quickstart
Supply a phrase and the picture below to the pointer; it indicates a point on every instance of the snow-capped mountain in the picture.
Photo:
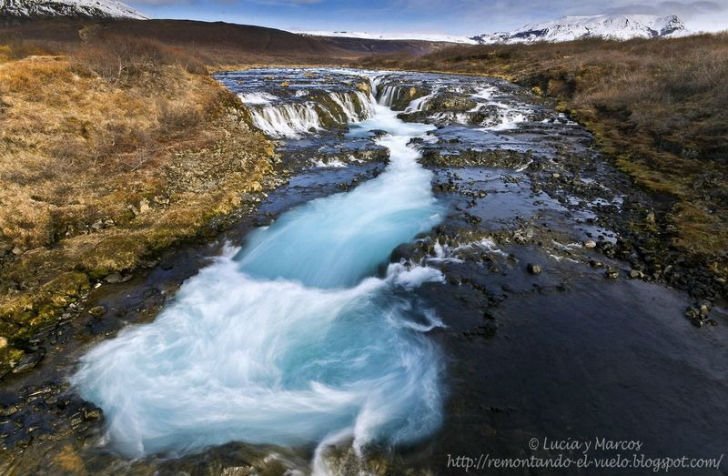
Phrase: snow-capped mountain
(613, 27)
(67, 8)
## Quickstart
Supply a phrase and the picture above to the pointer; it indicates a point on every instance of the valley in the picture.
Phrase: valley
(235, 250)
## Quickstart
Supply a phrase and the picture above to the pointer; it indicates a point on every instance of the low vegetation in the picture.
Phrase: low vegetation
(109, 153)
(659, 108)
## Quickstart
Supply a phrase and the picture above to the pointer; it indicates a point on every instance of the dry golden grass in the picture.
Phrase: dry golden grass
(106, 157)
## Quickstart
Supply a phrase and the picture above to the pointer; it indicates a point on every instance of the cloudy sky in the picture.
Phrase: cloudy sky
(423, 16)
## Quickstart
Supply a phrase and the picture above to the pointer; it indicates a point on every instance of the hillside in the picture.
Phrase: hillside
(216, 44)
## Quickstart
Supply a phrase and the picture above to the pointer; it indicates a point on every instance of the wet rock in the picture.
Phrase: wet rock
(534, 268)
(636, 274)
(404, 252)
(9, 410)
(97, 311)
(116, 278)
(612, 273)
(91, 414)
(450, 102)
(698, 315)
(28, 362)
(113, 278)
(590, 244)
(484, 331)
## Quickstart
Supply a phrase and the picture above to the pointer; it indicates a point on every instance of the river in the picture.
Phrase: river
(454, 300)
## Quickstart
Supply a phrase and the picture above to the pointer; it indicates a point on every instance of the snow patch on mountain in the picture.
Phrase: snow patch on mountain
(393, 36)
(612, 27)
(68, 8)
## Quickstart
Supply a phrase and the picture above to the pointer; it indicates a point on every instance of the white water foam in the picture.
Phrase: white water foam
(257, 98)
(331, 164)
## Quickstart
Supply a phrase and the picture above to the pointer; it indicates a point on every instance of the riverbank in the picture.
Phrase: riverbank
(109, 156)
(117, 145)
(656, 109)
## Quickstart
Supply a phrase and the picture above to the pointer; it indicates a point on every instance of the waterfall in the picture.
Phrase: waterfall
(356, 106)
(287, 120)
(385, 94)
(292, 120)
(390, 93)
(417, 105)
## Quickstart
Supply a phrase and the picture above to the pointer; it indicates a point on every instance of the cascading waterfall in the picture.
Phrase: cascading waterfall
(356, 106)
(290, 340)
(287, 120)
(390, 93)
(385, 94)
(291, 120)
(417, 105)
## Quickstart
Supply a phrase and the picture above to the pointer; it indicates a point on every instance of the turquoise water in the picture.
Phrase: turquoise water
(290, 340)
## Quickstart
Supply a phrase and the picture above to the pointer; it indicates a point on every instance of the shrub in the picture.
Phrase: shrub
(116, 58)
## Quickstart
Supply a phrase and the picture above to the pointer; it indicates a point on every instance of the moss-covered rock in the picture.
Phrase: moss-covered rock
(450, 102)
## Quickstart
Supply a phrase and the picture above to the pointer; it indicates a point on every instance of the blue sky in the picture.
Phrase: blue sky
(422, 16)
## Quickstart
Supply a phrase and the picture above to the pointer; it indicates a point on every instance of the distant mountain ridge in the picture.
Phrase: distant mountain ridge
(68, 8)
(432, 37)
(611, 27)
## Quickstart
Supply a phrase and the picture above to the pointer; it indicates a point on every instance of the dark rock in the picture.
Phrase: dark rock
(97, 311)
(698, 315)
(9, 410)
(91, 414)
(114, 278)
(28, 362)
